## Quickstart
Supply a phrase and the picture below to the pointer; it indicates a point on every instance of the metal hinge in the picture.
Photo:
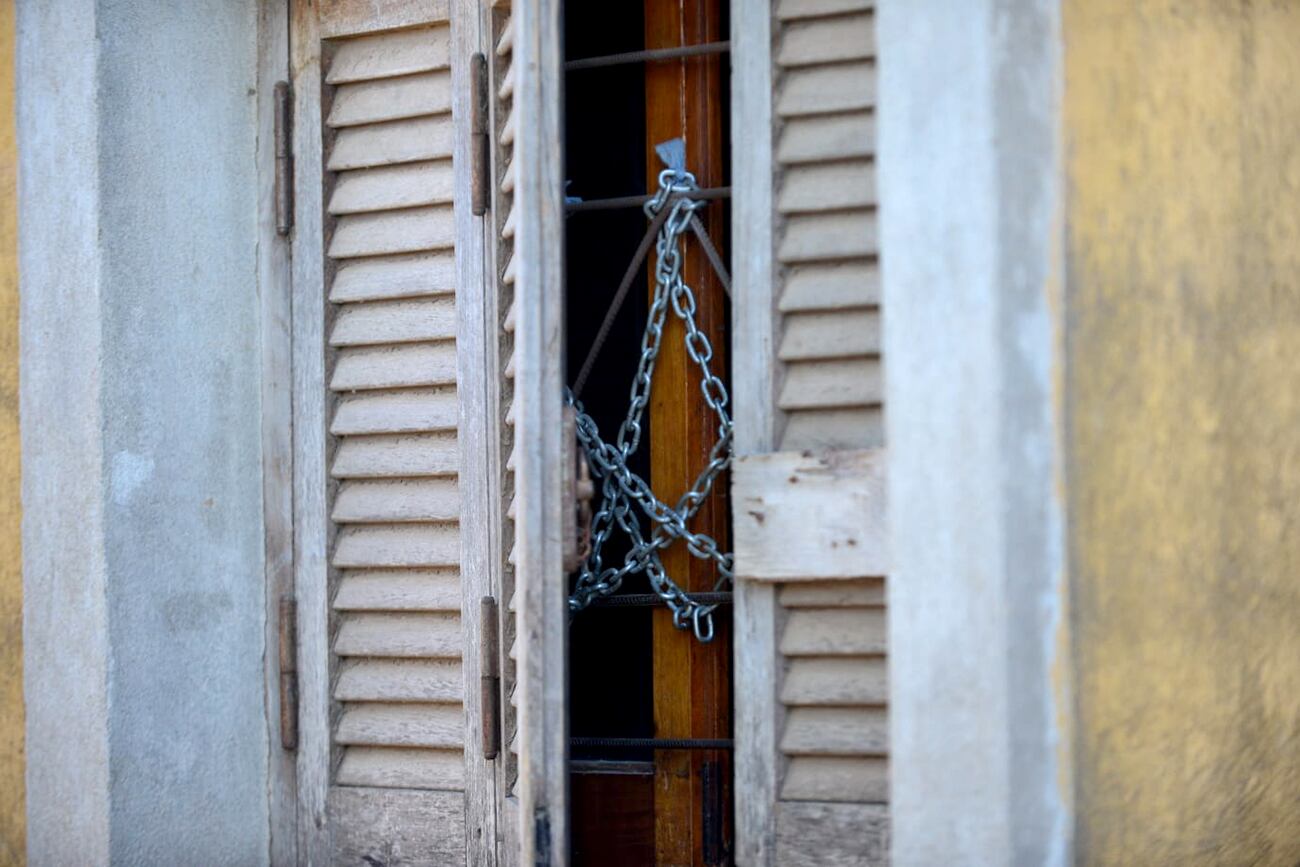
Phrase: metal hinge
(479, 163)
(490, 676)
(288, 673)
(283, 157)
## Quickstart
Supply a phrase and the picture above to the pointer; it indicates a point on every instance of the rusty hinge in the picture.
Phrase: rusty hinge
(479, 165)
(283, 157)
(490, 676)
(288, 673)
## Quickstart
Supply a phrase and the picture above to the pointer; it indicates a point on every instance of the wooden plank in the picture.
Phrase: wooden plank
(396, 826)
(834, 632)
(834, 594)
(397, 680)
(386, 144)
(806, 516)
(401, 768)
(820, 237)
(384, 277)
(862, 779)
(388, 54)
(393, 456)
(358, 17)
(439, 726)
(835, 682)
(860, 427)
(828, 187)
(827, 40)
(407, 185)
(832, 384)
(390, 99)
(845, 835)
(842, 334)
(822, 138)
(841, 87)
(399, 590)
(836, 731)
(378, 322)
(397, 501)
(413, 411)
(691, 680)
(368, 368)
(831, 286)
(407, 231)
(381, 547)
(435, 636)
(789, 10)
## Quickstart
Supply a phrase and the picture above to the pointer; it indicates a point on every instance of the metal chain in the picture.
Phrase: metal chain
(624, 496)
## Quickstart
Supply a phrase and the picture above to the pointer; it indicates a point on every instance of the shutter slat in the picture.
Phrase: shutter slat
(394, 322)
(506, 42)
(396, 456)
(831, 384)
(819, 430)
(818, 237)
(403, 186)
(859, 731)
(831, 286)
(384, 277)
(815, 778)
(415, 411)
(788, 10)
(388, 54)
(835, 682)
(834, 632)
(386, 144)
(815, 90)
(827, 40)
(404, 590)
(388, 99)
(833, 186)
(407, 500)
(434, 636)
(401, 680)
(402, 768)
(407, 231)
(410, 365)
(385, 547)
(846, 334)
(830, 137)
(402, 725)
(833, 594)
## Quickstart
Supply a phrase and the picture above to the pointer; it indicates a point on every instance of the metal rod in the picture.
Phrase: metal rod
(653, 743)
(650, 600)
(650, 55)
(638, 201)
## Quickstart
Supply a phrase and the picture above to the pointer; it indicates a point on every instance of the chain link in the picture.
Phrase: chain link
(624, 496)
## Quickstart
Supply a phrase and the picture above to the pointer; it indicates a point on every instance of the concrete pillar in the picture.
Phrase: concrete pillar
(144, 610)
(969, 169)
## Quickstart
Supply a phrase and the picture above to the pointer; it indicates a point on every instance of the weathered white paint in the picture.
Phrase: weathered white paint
(969, 187)
(143, 544)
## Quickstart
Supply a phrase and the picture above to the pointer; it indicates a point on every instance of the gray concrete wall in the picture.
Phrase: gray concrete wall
(143, 542)
(969, 170)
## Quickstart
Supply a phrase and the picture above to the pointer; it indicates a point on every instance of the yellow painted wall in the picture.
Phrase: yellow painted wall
(12, 803)
(1182, 123)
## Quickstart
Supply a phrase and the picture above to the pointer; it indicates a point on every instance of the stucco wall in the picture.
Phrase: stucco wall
(1183, 161)
(12, 790)
(144, 592)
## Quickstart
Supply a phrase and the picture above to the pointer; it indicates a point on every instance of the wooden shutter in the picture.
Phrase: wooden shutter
(387, 273)
(808, 483)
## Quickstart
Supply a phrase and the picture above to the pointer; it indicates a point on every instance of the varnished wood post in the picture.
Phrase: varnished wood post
(691, 685)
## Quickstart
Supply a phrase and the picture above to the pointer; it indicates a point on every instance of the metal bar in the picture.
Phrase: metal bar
(650, 55)
(650, 600)
(637, 201)
(653, 743)
(711, 252)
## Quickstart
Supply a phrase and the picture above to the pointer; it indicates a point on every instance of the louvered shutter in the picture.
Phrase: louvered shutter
(808, 484)
(388, 276)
